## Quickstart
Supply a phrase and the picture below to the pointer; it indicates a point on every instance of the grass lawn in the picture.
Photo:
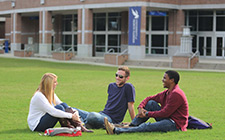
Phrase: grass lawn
(85, 87)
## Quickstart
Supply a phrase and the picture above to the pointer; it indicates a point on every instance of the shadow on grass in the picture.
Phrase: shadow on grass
(15, 131)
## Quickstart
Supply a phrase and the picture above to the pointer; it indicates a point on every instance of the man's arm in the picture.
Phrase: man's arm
(131, 110)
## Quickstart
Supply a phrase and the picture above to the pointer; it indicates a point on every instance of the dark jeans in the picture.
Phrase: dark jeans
(48, 121)
(161, 124)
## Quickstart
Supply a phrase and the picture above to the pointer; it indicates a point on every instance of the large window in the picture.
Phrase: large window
(156, 35)
(200, 20)
(69, 34)
(99, 22)
(159, 44)
(107, 32)
(220, 20)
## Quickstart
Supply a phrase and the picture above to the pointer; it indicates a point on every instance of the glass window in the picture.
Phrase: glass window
(114, 21)
(147, 23)
(200, 20)
(114, 24)
(75, 25)
(194, 43)
(75, 43)
(157, 40)
(206, 13)
(114, 14)
(158, 23)
(193, 23)
(99, 22)
(113, 40)
(220, 12)
(193, 13)
(67, 41)
(100, 40)
(159, 44)
(146, 44)
(220, 22)
(100, 49)
(67, 22)
(205, 24)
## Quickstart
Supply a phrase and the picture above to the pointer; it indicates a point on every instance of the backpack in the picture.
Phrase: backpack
(196, 123)
(63, 131)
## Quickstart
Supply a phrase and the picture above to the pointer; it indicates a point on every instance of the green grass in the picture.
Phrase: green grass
(85, 87)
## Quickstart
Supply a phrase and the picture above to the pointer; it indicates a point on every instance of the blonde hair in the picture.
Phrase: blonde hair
(46, 86)
(126, 69)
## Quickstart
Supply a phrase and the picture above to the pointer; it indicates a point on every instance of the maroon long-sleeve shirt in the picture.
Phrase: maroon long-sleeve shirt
(174, 105)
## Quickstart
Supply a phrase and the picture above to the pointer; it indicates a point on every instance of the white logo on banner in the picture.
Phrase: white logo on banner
(135, 13)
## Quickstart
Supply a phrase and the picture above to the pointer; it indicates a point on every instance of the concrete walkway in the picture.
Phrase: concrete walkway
(205, 64)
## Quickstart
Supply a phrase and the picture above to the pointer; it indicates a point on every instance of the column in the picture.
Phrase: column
(45, 33)
(16, 23)
(176, 23)
(124, 30)
(137, 51)
(85, 33)
(57, 32)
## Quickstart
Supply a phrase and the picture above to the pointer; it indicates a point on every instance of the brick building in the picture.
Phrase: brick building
(93, 27)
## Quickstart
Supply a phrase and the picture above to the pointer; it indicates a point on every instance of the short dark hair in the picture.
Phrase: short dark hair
(173, 75)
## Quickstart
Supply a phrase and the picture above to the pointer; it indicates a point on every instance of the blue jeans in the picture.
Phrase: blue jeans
(139, 125)
(94, 120)
(48, 121)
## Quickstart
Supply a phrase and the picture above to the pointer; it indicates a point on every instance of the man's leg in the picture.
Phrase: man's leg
(160, 126)
(95, 120)
(150, 106)
(48, 121)
(83, 114)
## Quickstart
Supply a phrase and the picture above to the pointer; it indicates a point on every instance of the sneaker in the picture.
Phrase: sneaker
(108, 126)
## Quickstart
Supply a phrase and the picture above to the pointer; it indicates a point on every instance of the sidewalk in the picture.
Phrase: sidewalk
(205, 64)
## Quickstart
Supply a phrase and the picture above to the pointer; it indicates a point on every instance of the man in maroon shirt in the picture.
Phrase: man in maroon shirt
(170, 115)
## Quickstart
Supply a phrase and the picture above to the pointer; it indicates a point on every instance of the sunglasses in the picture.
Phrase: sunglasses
(120, 76)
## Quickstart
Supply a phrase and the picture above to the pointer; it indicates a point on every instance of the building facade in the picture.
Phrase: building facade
(93, 27)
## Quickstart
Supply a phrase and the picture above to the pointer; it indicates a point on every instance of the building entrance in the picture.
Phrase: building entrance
(220, 46)
(205, 45)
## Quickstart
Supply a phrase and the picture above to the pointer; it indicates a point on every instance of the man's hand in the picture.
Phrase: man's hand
(141, 113)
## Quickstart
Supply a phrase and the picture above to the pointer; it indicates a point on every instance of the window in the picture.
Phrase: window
(220, 20)
(200, 20)
(158, 23)
(99, 22)
(107, 32)
(158, 43)
(69, 33)
(67, 22)
(156, 35)
(114, 22)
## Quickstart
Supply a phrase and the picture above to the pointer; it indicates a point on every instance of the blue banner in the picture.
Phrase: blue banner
(134, 25)
(157, 13)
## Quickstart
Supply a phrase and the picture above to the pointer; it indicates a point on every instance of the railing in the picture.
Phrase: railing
(64, 52)
(123, 52)
(27, 50)
(189, 60)
(116, 54)
(113, 51)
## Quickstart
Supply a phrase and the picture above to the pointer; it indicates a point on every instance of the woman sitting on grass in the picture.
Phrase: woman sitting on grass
(45, 107)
